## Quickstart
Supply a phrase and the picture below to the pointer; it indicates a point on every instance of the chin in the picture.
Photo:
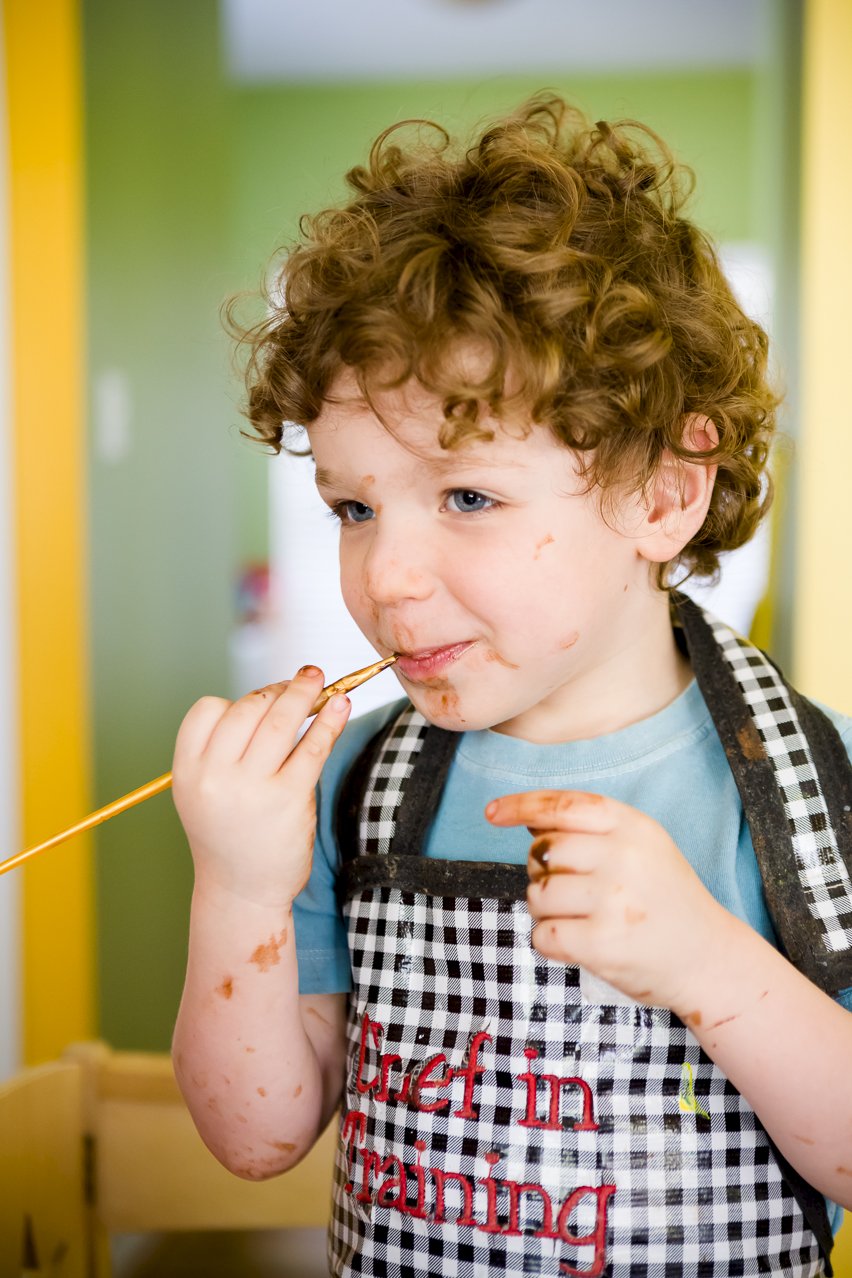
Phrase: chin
(447, 709)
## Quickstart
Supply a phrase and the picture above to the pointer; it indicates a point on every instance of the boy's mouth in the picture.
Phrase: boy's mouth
(427, 662)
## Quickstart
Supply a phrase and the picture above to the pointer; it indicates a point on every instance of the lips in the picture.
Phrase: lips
(425, 663)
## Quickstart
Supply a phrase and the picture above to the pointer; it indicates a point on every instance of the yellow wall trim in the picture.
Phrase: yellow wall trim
(823, 601)
(43, 81)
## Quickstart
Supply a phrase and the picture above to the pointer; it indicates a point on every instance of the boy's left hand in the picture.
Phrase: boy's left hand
(611, 891)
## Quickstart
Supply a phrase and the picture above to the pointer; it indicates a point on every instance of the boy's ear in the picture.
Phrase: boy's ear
(679, 498)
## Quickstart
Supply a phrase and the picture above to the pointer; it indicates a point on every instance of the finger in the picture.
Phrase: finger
(559, 853)
(562, 896)
(564, 940)
(197, 727)
(230, 735)
(542, 810)
(276, 731)
(302, 769)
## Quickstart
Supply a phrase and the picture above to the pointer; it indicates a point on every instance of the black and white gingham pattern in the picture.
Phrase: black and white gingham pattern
(824, 877)
(695, 1197)
(391, 770)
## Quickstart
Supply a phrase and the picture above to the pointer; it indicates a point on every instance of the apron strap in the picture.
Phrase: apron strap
(795, 781)
(350, 798)
(423, 791)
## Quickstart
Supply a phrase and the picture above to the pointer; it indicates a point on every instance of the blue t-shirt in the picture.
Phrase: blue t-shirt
(671, 766)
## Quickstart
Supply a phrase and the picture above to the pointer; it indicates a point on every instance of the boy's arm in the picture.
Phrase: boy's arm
(258, 1079)
(260, 1068)
(787, 1048)
(611, 891)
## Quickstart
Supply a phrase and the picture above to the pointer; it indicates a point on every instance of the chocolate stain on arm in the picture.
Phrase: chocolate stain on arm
(735, 1016)
(724, 1020)
(267, 955)
(226, 989)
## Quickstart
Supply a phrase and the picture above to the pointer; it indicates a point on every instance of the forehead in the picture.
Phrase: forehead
(408, 420)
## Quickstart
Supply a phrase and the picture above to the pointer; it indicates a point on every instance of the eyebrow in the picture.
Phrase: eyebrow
(325, 478)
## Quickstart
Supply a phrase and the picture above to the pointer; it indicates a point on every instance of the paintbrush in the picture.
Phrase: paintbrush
(346, 684)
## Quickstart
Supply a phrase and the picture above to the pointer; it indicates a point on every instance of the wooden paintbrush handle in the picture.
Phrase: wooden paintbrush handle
(346, 684)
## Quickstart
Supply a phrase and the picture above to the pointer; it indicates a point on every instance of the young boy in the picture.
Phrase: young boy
(534, 961)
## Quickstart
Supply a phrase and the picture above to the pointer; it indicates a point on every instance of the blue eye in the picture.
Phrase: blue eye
(467, 501)
(352, 512)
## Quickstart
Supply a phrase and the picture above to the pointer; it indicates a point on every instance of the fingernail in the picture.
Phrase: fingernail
(310, 672)
(339, 703)
(491, 808)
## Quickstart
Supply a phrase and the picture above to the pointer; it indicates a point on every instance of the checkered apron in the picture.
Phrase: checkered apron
(507, 1115)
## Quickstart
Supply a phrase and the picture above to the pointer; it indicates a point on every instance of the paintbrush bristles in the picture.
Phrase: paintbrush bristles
(346, 684)
(350, 681)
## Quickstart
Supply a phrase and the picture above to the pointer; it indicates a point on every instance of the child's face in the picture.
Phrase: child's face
(488, 567)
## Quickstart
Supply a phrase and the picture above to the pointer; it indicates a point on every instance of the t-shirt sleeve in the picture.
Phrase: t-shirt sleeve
(321, 942)
(321, 948)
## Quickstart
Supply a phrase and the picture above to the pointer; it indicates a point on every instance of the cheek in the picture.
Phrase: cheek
(362, 609)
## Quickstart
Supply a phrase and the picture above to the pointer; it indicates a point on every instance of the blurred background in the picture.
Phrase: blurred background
(152, 157)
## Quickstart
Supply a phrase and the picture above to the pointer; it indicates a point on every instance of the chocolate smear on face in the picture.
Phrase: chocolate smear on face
(491, 655)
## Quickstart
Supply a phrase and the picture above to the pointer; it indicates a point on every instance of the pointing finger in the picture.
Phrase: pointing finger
(569, 810)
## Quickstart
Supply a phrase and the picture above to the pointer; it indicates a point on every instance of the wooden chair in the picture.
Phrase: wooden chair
(101, 1143)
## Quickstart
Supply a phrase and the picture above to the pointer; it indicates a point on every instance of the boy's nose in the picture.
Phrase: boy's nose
(395, 569)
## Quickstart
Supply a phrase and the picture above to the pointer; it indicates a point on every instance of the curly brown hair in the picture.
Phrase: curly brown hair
(558, 247)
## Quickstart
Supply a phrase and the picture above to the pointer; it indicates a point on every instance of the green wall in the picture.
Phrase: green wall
(192, 184)
(161, 518)
(293, 144)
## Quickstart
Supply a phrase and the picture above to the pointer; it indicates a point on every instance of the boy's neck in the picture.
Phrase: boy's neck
(639, 677)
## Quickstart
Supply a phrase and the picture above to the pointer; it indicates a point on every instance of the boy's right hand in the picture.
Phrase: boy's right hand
(244, 786)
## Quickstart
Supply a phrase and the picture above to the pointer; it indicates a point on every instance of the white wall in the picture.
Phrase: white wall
(9, 788)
